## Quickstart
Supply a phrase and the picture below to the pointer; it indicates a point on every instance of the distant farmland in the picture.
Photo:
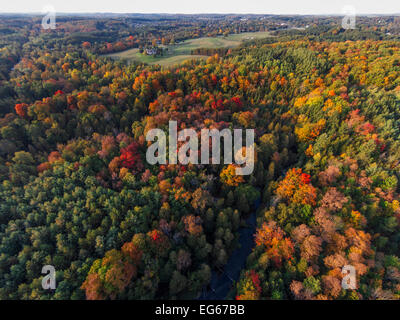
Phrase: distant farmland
(182, 51)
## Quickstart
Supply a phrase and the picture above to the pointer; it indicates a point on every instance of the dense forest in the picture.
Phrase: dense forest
(77, 193)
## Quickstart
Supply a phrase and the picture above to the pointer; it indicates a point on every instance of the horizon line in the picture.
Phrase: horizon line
(198, 13)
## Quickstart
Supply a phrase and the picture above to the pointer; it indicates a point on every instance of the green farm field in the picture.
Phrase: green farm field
(181, 52)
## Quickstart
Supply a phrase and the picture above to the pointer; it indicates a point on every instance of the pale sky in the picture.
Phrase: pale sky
(206, 6)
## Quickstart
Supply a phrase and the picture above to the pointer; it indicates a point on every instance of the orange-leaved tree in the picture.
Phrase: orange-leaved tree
(296, 187)
(277, 246)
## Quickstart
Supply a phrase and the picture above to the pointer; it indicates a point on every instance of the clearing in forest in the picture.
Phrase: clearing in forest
(180, 52)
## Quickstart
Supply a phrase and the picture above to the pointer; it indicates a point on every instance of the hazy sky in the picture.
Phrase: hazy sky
(205, 6)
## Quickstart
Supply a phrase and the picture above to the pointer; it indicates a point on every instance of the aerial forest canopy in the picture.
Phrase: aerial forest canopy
(77, 193)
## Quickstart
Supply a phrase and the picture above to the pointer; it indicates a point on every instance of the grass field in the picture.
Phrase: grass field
(180, 52)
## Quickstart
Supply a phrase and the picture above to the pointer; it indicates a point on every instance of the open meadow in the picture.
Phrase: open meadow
(180, 52)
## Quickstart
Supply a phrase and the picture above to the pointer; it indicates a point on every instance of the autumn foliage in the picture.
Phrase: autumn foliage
(75, 186)
(21, 109)
(229, 177)
(277, 246)
(250, 288)
(296, 187)
(110, 275)
(130, 157)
